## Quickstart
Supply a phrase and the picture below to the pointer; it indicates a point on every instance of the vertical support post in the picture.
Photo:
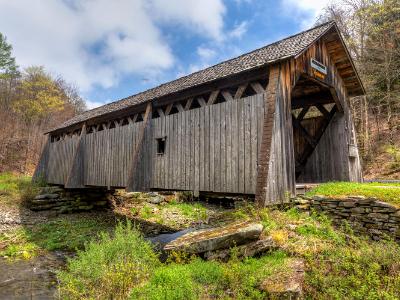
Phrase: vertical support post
(41, 169)
(133, 183)
(76, 174)
(266, 142)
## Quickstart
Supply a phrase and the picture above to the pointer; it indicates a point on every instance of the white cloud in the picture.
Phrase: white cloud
(205, 16)
(206, 53)
(307, 11)
(97, 42)
(239, 30)
(93, 104)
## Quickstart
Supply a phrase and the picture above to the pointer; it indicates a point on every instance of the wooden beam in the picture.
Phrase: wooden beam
(213, 97)
(227, 95)
(179, 107)
(323, 97)
(188, 103)
(132, 119)
(160, 112)
(106, 125)
(266, 139)
(336, 98)
(132, 183)
(240, 90)
(308, 150)
(168, 109)
(257, 87)
(76, 175)
(228, 82)
(305, 133)
(303, 113)
(201, 101)
(323, 110)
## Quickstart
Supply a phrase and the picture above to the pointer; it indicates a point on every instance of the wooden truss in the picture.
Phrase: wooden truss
(216, 96)
(311, 140)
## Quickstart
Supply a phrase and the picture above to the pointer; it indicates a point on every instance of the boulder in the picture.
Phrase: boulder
(286, 285)
(247, 250)
(158, 199)
(201, 241)
(47, 196)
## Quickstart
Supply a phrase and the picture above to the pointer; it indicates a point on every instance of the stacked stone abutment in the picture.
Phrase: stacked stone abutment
(66, 201)
(365, 215)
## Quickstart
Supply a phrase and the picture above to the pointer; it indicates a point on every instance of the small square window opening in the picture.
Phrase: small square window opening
(161, 145)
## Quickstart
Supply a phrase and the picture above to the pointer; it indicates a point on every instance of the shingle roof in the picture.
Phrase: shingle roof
(288, 47)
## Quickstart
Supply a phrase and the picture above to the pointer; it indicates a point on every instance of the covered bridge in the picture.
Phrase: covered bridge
(255, 125)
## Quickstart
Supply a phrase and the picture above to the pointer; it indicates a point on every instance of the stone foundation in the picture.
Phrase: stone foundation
(365, 215)
(66, 201)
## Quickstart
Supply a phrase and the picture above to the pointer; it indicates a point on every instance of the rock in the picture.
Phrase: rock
(383, 204)
(47, 196)
(51, 190)
(131, 195)
(216, 238)
(378, 216)
(319, 198)
(286, 285)
(152, 194)
(358, 210)
(301, 201)
(100, 203)
(247, 250)
(348, 204)
(156, 200)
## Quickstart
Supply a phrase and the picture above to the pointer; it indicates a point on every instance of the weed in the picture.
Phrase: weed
(16, 189)
(146, 212)
(62, 234)
(109, 268)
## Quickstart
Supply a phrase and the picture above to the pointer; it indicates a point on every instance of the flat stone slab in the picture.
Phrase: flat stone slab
(47, 196)
(201, 241)
(251, 249)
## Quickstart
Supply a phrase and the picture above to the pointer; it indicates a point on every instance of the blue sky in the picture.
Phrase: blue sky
(113, 49)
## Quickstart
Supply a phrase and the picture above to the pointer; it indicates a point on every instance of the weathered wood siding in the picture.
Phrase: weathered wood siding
(330, 159)
(61, 154)
(242, 146)
(211, 148)
(108, 155)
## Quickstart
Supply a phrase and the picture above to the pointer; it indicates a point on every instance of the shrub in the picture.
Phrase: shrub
(109, 268)
(369, 270)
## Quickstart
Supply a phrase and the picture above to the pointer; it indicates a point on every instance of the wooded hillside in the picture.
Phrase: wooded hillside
(31, 102)
(371, 30)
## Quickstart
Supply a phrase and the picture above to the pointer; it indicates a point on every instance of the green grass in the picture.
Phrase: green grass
(194, 211)
(67, 234)
(15, 189)
(109, 268)
(339, 265)
(388, 192)
(200, 279)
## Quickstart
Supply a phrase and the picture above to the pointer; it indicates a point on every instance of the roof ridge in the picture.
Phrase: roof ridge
(222, 62)
(279, 50)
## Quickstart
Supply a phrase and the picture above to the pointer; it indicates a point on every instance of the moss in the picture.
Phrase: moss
(388, 192)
